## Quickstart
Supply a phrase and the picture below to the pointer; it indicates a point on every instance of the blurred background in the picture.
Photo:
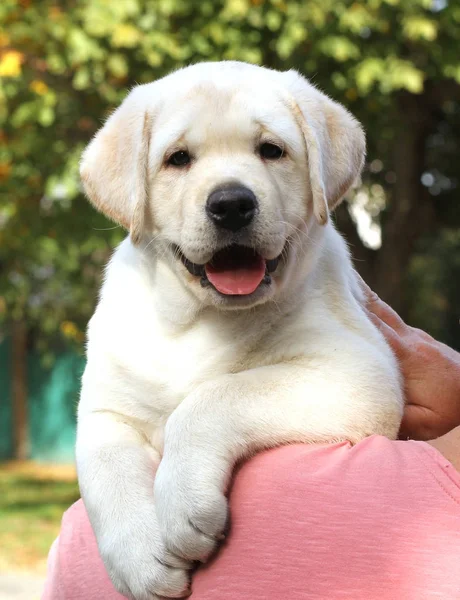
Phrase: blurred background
(65, 65)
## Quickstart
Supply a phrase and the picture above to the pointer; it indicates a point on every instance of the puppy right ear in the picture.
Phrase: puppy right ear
(114, 165)
(335, 143)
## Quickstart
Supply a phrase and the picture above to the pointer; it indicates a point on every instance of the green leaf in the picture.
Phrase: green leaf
(339, 47)
(368, 72)
(117, 65)
(420, 28)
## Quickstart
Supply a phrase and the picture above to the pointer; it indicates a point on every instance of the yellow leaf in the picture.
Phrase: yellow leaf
(125, 36)
(39, 87)
(4, 39)
(55, 12)
(5, 169)
(10, 63)
(237, 9)
(69, 329)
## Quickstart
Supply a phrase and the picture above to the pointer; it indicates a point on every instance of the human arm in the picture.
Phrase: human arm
(311, 518)
(449, 446)
(430, 369)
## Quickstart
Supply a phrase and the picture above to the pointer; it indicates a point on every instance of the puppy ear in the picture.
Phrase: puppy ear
(114, 165)
(335, 142)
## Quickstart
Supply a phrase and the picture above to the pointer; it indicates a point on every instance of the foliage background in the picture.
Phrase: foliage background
(65, 64)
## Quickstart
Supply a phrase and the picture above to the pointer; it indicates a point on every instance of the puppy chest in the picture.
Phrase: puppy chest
(175, 368)
(167, 365)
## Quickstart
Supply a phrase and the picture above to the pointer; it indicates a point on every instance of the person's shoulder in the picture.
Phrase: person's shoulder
(373, 461)
(75, 517)
(73, 552)
(448, 446)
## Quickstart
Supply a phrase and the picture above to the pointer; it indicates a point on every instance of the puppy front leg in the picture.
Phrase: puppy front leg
(116, 469)
(235, 416)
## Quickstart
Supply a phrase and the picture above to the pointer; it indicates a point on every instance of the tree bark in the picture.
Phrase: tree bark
(19, 391)
(410, 208)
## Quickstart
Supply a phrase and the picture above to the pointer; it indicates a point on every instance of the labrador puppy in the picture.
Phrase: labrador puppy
(230, 320)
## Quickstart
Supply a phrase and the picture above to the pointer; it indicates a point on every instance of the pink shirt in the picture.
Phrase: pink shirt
(377, 521)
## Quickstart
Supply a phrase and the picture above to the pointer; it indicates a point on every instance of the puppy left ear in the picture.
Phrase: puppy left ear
(114, 165)
(335, 143)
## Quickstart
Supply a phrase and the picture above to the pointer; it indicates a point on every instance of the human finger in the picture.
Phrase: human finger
(377, 306)
(420, 423)
(390, 334)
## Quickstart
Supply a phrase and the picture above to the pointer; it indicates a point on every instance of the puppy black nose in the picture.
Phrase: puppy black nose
(231, 207)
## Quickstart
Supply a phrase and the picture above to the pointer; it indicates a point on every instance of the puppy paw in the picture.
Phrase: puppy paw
(139, 565)
(191, 510)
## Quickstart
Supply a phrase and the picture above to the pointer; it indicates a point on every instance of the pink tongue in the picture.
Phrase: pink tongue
(239, 280)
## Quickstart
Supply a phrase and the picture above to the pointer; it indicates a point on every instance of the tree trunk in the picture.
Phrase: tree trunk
(19, 391)
(408, 214)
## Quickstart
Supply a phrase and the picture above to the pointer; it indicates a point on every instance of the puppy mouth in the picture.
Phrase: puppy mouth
(234, 270)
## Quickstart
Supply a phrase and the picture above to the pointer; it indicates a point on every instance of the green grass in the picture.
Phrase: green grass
(32, 501)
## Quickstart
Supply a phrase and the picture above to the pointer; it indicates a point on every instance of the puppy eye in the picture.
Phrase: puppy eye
(179, 159)
(271, 151)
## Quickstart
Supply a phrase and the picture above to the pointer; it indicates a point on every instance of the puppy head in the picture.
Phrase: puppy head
(225, 170)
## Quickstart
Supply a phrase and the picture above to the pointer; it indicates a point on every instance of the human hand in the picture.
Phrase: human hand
(431, 372)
